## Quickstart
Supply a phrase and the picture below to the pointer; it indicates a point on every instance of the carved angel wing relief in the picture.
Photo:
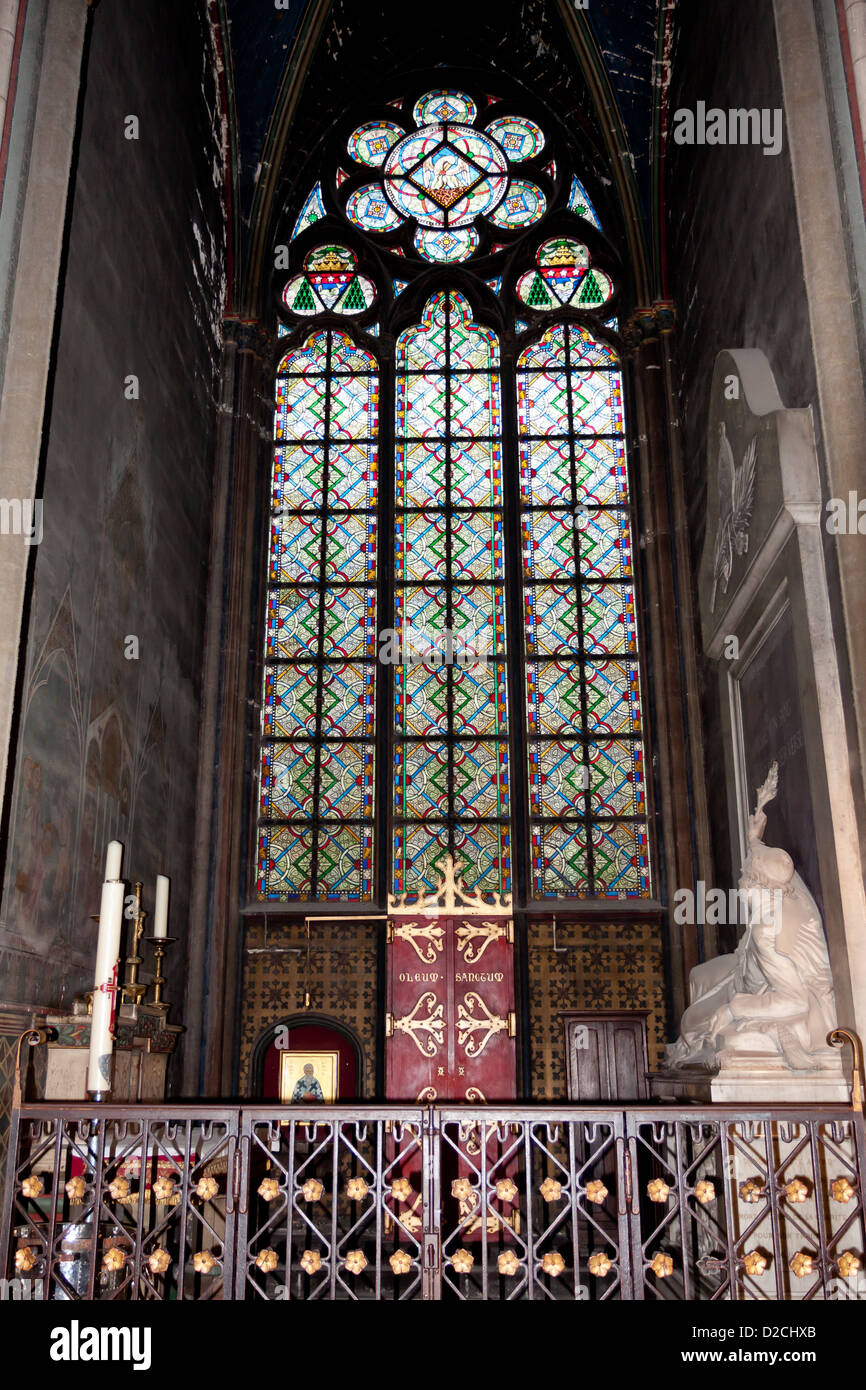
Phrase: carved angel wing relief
(736, 495)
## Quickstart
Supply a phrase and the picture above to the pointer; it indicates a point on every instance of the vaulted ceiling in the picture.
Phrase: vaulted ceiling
(602, 69)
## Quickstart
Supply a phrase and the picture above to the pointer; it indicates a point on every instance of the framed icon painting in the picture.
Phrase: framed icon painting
(308, 1078)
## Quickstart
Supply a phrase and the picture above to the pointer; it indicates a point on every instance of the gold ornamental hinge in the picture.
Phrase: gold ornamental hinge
(512, 1024)
(389, 1025)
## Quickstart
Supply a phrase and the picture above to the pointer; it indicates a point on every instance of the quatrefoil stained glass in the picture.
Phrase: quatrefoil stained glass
(446, 175)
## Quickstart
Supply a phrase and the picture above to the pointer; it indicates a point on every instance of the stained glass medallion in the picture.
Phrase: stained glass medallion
(521, 139)
(444, 244)
(523, 205)
(369, 208)
(445, 176)
(370, 143)
(330, 282)
(563, 276)
(444, 106)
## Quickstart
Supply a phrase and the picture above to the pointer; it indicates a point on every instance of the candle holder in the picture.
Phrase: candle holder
(131, 990)
(159, 944)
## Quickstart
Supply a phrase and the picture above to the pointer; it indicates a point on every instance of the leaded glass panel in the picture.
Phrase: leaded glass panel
(451, 757)
(585, 756)
(318, 750)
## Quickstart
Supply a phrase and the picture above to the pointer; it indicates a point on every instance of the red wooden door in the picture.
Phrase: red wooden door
(451, 1009)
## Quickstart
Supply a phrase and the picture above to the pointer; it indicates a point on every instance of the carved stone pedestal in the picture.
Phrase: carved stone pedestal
(144, 1041)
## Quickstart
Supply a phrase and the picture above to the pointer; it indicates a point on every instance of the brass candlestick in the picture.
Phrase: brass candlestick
(158, 945)
(131, 989)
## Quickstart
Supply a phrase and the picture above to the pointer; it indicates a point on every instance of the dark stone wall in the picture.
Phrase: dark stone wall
(736, 268)
(107, 746)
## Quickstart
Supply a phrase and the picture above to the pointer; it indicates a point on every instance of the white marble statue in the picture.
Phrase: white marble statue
(770, 1003)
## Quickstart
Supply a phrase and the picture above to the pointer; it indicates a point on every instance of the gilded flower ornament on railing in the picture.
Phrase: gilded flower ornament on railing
(506, 1190)
(754, 1262)
(658, 1190)
(551, 1190)
(796, 1191)
(842, 1190)
(662, 1265)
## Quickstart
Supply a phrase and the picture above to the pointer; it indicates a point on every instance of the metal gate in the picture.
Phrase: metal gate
(409, 1203)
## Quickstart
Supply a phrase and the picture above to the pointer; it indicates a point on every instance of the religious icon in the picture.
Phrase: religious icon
(308, 1078)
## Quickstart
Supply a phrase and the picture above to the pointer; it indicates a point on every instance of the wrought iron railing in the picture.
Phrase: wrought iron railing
(402, 1202)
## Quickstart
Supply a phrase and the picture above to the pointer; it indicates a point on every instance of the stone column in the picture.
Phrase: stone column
(667, 599)
(32, 319)
(855, 22)
(833, 301)
(213, 966)
(10, 11)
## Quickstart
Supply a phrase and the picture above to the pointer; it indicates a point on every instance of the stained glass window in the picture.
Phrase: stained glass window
(451, 760)
(445, 176)
(563, 276)
(585, 761)
(318, 753)
(312, 211)
(446, 180)
(579, 202)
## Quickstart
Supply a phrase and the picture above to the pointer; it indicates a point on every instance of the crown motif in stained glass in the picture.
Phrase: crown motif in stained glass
(564, 277)
(330, 282)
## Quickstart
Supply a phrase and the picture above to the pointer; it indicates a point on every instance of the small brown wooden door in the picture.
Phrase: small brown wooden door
(606, 1054)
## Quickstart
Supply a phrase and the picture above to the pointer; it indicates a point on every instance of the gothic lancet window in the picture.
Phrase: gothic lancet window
(451, 650)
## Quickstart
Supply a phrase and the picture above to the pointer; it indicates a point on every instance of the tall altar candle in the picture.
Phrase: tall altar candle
(160, 911)
(113, 860)
(104, 980)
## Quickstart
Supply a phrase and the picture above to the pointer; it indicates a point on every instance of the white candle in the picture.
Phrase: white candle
(113, 860)
(160, 911)
(104, 979)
